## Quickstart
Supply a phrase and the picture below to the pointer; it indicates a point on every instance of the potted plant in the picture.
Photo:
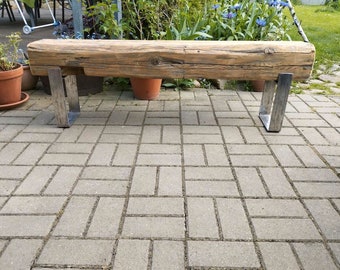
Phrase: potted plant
(29, 81)
(10, 71)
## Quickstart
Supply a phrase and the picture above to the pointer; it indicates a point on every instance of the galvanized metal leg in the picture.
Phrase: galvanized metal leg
(63, 118)
(272, 114)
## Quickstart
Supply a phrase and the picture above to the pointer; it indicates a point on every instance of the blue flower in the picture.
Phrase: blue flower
(284, 4)
(261, 22)
(236, 7)
(278, 3)
(228, 15)
(216, 6)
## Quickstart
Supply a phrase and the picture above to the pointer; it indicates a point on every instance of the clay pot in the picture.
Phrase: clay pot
(29, 81)
(146, 88)
(10, 85)
(258, 85)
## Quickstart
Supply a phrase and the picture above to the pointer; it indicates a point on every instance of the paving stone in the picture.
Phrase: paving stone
(278, 186)
(63, 181)
(8, 186)
(170, 181)
(3, 243)
(234, 222)
(250, 182)
(33, 205)
(288, 140)
(159, 159)
(232, 135)
(10, 152)
(102, 154)
(71, 134)
(72, 148)
(168, 255)
(10, 131)
(78, 209)
(308, 156)
(131, 254)
(20, 254)
(326, 217)
(14, 172)
(30, 226)
(156, 206)
(64, 159)
(313, 136)
(90, 134)
(335, 247)
(278, 256)
(211, 188)
(222, 254)
(252, 135)
(202, 221)
(208, 173)
(248, 149)
(252, 160)
(216, 155)
(125, 155)
(193, 155)
(36, 180)
(189, 118)
(326, 190)
(275, 208)
(285, 229)
(99, 187)
(314, 256)
(286, 156)
(160, 148)
(32, 154)
(108, 173)
(36, 137)
(312, 174)
(331, 134)
(106, 219)
(77, 252)
(154, 227)
(171, 134)
(144, 181)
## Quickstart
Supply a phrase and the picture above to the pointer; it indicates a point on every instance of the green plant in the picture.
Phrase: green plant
(9, 52)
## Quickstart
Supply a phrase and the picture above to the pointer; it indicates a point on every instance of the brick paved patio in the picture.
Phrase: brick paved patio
(189, 181)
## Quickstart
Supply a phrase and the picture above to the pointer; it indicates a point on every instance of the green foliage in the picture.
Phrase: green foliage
(179, 84)
(9, 52)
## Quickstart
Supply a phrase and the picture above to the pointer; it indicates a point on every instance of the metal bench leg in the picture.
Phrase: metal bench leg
(272, 118)
(64, 119)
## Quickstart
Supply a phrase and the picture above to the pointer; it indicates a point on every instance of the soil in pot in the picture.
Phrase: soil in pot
(146, 88)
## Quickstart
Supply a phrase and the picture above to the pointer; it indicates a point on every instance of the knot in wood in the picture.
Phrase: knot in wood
(155, 61)
(269, 51)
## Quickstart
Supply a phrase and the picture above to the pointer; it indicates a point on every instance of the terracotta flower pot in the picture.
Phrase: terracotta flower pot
(10, 85)
(146, 88)
(258, 85)
(28, 80)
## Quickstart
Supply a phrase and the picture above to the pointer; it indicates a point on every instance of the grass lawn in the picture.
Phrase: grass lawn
(322, 29)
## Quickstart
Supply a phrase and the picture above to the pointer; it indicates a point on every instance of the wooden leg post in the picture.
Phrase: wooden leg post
(72, 97)
(272, 117)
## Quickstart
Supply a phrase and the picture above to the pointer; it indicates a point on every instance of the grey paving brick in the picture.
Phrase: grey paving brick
(77, 252)
(144, 181)
(31, 154)
(36, 137)
(74, 219)
(170, 181)
(154, 227)
(72, 148)
(275, 208)
(63, 181)
(159, 159)
(71, 134)
(278, 256)
(155, 206)
(286, 156)
(90, 134)
(10, 131)
(313, 136)
(281, 139)
(9, 152)
(222, 254)
(308, 156)
(189, 118)
(160, 148)
(15, 120)
(193, 155)
(250, 182)
(31, 226)
(285, 229)
(14, 172)
(216, 155)
(326, 217)
(335, 247)
(109, 173)
(208, 173)
(119, 138)
(100, 187)
(326, 190)
(202, 139)
(252, 160)
(211, 188)
(232, 135)
(135, 118)
(168, 255)
(233, 219)
(331, 134)
(171, 134)
(20, 254)
(106, 219)
(8, 186)
(312, 174)
(248, 149)
(64, 159)
(33, 205)
(314, 256)
(3, 243)
(206, 118)
(132, 254)
(276, 182)
(36, 180)
(202, 221)
(125, 155)
(252, 135)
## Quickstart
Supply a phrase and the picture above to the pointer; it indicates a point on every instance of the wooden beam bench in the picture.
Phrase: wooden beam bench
(276, 62)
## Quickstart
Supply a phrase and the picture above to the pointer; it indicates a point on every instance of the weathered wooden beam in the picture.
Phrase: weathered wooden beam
(237, 60)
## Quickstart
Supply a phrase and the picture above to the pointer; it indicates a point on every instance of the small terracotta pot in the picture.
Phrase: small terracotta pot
(258, 85)
(10, 85)
(146, 88)
(28, 80)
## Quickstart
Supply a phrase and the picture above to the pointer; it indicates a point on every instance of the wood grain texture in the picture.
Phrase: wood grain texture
(238, 60)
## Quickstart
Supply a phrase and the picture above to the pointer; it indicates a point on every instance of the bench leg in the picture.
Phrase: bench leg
(272, 117)
(64, 119)
(72, 97)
